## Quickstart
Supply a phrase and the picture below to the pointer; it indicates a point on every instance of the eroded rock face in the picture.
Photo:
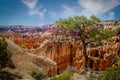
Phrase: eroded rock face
(98, 58)
(67, 53)
(62, 53)
(49, 66)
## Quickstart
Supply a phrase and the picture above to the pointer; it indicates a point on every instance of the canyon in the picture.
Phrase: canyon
(67, 53)
(47, 50)
(54, 57)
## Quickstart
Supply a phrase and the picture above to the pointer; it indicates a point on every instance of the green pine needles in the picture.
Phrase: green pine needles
(5, 55)
(112, 73)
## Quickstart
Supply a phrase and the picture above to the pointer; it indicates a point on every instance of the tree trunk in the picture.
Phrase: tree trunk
(85, 55)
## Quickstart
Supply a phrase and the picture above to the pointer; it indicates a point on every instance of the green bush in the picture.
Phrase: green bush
(112, 73)
(5, 55)
(22, 46)
(37, 74)
(65, 76)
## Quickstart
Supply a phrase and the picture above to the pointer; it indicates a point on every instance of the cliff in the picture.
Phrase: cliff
(68, 53)
(60, 52)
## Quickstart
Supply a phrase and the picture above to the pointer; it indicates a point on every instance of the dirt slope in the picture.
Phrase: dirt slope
(25, 62)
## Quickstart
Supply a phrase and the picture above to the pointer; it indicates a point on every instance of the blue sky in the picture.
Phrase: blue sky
(43, 12)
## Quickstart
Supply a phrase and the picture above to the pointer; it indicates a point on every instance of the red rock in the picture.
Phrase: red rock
(108, 63)
(101, 65)
(108, 56)
(101, 53)
(93, 52)
(66, 53)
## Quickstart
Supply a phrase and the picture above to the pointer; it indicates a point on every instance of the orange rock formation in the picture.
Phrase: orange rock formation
(67, 53)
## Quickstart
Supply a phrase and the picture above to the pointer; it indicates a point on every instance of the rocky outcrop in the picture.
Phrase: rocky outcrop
(28, 42)
(49, 66)
(99, 58)
(60, 52)
(68, 53)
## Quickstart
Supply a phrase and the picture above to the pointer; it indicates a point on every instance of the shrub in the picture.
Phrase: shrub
(65, 76)
(37, 74)
(112, 73)
(5, 55)
(22, 46)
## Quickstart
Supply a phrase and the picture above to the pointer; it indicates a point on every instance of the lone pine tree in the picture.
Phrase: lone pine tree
(87, 31)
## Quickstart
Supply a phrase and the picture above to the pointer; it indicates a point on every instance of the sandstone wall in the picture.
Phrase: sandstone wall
(66, 53)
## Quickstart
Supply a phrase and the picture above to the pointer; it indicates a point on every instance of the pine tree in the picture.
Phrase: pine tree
(87, 31)
(5, 55)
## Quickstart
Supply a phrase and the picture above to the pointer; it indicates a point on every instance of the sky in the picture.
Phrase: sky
(43, 12)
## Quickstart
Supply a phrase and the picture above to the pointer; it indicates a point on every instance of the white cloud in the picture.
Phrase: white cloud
(42, 12)
(33, 10)
(37, 12)
(66, 12)
(30, 3)
(69, 11)
(100, 8)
